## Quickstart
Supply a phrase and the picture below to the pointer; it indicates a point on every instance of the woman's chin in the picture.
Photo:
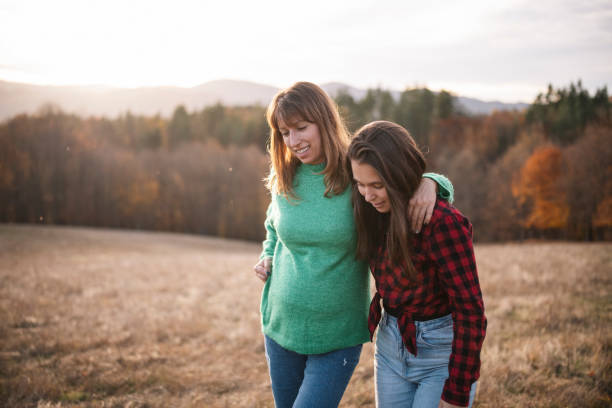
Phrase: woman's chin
(382, 209)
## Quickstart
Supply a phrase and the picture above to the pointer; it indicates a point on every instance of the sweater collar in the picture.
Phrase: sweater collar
(312, 168)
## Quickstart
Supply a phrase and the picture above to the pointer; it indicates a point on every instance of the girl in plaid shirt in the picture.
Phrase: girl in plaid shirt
(431, 332)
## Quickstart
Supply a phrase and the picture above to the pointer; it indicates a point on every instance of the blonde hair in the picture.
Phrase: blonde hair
(307, 101)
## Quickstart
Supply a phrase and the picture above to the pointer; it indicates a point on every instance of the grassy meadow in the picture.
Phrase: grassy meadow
(106, 318)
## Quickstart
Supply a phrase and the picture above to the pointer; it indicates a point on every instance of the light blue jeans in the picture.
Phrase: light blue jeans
(406, 380)
(309, 380)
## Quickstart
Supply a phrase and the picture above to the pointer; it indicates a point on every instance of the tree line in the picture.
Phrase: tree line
(542, 173)
(130, 172)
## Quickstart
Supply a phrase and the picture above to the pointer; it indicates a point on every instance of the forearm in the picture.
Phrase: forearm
(464, 362)
(454, 252)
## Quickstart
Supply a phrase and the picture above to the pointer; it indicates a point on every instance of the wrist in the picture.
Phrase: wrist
(432, 182)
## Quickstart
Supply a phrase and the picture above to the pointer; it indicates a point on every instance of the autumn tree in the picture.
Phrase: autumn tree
(502, 214)
(538, 186)
(587, 182)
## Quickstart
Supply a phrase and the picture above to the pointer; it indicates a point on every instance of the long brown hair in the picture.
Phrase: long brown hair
(307, 101)
(391, 151)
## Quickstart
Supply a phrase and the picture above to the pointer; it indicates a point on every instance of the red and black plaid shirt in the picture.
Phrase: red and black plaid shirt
(446, 282)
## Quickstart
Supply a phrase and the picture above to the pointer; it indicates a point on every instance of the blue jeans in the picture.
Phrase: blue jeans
(406, 380)
(309, 380)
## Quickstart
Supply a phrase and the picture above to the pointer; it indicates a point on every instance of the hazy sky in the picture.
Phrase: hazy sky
(507, 50)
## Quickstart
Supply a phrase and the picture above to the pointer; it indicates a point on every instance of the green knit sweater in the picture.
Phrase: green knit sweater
(317, 297)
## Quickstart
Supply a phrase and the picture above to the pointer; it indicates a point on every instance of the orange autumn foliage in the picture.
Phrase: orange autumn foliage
(538, 185)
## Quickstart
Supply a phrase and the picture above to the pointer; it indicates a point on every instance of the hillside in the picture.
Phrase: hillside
(18, 98)
(92, 317)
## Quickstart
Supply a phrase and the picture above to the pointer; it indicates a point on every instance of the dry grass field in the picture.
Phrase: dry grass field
(101, 318)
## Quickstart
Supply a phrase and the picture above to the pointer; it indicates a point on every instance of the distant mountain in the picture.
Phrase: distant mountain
(16, 98)
(469, 105)
(477, 107)
(232, 92)
(333, 88)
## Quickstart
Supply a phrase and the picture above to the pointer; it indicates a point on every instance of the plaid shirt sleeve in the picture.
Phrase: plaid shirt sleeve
(453, 251)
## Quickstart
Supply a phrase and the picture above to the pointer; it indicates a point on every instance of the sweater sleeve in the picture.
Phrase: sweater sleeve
(445, 187)
(270, 242)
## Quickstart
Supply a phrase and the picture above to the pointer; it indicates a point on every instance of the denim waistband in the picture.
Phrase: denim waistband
(438, 321)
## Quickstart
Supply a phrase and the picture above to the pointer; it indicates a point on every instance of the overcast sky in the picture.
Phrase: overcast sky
(506, 50)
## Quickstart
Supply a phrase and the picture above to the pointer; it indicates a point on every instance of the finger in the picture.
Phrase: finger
(262, 276)
(263, 263)
(411, 214)
(416, 216)
(429, 213)
(419, 219)
(262, 273)
(411, 206)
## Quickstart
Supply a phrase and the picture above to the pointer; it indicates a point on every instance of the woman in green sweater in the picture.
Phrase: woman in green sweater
(315, 300)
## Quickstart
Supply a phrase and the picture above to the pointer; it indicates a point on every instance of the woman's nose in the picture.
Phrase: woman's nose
(293, 139)
(369, 195)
